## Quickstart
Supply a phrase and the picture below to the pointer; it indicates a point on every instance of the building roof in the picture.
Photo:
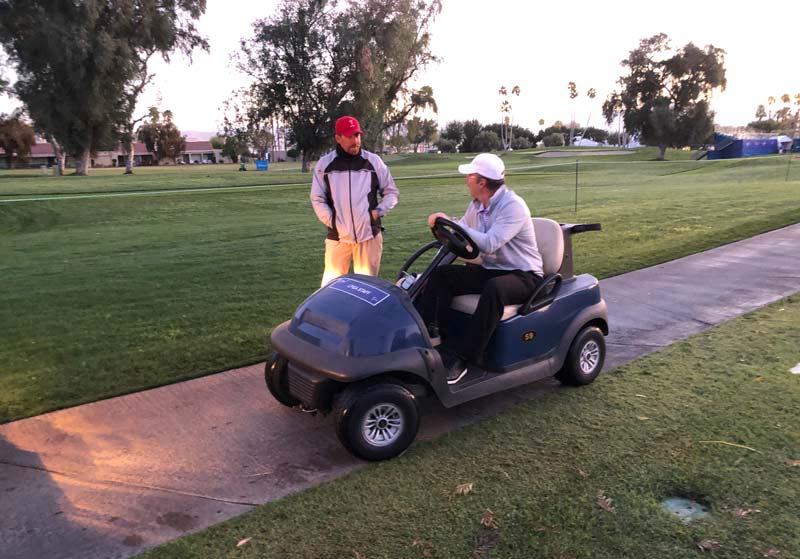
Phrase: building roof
(45, 149)
(192, 147)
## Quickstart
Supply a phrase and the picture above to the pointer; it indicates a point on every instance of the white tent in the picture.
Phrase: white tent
(784, 142)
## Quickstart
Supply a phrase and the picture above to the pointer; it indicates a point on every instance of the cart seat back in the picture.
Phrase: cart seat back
(550, 240)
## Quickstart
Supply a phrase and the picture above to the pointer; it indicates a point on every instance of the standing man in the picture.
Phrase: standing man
(499, 222)
(351, 191)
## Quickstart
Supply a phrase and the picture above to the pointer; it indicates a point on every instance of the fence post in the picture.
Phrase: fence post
(576, 186)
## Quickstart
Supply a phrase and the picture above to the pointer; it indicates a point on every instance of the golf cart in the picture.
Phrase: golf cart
(358, 348)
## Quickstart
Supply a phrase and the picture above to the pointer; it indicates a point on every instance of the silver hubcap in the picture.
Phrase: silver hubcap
(383, 424)
(590, 356)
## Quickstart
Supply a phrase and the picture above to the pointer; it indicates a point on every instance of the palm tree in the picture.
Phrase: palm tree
(506, 121)
(573, 94)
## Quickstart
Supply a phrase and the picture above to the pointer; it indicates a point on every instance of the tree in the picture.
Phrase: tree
(486, 141)
(421, 131)
(217, 142)
(596, 134)
(573, 94)
(397, 141)
(162, 137)
(446, 146)
(471, 130)
(78, 63)
(521, 143)
(554, 139)
(316, 60)
(761, 113)
(390, 42)
(454, 132)
(665, 95)
(230, 146)
(16, 138)
(515, 131)
(247, 129)
(506, 120)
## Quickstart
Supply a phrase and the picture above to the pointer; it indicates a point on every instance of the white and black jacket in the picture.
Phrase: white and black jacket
(344, 191)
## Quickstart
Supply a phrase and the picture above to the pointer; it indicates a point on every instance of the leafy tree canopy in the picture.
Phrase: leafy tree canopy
(421, 131)
(16, 138)
(665, 94)
(453, 131)
(315, 60)
(471, 130)
(162, 137)
(486, 141)
(78, 62)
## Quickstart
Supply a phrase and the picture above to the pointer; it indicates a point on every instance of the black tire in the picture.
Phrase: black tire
(376, 422)
(585, 358)
(275, 374)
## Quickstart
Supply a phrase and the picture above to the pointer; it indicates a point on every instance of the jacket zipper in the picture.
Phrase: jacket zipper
(350, 189)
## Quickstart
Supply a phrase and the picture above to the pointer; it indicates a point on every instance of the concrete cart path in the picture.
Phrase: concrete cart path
(113, 478)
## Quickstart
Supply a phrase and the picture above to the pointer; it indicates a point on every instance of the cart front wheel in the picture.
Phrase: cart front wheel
(376, 422)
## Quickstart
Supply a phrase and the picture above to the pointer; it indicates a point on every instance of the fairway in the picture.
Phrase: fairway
(105, 293)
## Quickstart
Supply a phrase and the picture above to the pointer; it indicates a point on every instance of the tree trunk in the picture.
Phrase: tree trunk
(84, 163)
(61, 158)
(129, 161)
(304, 167)
(662, 150)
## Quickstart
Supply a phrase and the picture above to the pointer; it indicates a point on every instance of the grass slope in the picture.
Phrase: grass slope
(577, 472)
(103, 296)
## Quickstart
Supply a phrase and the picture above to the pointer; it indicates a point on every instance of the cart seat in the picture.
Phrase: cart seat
(550, 240)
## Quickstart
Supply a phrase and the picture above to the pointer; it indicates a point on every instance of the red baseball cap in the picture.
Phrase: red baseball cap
(348, 126)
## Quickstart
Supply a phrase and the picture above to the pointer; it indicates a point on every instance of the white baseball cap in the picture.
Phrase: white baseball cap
(486, 165)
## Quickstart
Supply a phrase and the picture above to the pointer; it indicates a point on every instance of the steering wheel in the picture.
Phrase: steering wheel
(451, 235)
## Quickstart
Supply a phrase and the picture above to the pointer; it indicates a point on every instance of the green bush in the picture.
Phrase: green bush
(447, 146)
(554, 139)
(521, 143)
(486, 141)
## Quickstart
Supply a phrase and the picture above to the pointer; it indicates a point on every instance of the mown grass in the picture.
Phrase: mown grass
(577, 472)
(103, 296)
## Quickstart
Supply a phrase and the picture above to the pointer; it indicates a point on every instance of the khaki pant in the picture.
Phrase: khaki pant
(366, 258)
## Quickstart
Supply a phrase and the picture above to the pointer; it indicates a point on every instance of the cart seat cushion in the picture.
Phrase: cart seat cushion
(468, 303)
(550, 240)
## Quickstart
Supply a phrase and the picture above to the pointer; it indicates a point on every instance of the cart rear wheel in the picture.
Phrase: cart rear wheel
(276, 376)
(585, 358)
(376, 422)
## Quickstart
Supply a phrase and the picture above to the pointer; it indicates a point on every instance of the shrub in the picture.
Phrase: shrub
(554, 139)
(486, 141)
(447, 146)
(520, 143)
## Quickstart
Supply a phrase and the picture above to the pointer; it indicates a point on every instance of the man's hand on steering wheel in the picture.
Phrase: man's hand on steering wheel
(453, 236)
(432, 218)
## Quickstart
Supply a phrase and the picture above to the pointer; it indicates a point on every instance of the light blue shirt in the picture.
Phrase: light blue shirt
(503, 232)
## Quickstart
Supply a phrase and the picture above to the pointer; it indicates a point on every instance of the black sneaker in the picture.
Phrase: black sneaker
(456, 371)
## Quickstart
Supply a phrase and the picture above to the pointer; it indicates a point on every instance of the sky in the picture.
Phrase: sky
(485, 45)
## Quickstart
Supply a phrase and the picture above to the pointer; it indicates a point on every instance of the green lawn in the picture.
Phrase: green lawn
(107, 295)
(576, 473)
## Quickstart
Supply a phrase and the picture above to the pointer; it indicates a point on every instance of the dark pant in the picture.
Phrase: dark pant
(497, 288)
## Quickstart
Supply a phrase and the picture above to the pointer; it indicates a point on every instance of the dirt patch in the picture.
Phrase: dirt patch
(581, 153)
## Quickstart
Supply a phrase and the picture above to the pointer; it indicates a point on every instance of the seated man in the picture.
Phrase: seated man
(499, 222)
